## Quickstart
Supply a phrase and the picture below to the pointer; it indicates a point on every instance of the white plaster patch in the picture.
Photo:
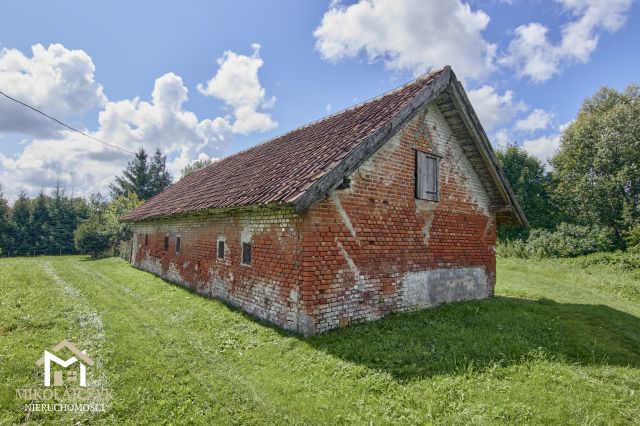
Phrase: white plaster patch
(434, 287)
(352, 267)
(245, 235)
(445, 143)
(425, 209)
(343, 214)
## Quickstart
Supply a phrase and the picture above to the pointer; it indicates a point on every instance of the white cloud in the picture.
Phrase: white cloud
(492, 108)
(564, 126)
(538, 119)
(533, 55)
(543, 147)
(87, 166)
(501, 139)
(409, 35)
(56, 80)
(328, 108)
(238, 85)
(78, 162)
(79, 165)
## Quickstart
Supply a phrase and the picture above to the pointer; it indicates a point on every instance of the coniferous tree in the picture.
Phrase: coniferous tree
(6, 226)
(21, 218)
(134, 178)
(40, 225)
(143, 176)
(159, 176)
(43, 225)
(62, 222)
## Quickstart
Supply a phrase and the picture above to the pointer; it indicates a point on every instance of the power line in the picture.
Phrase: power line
(65, 125)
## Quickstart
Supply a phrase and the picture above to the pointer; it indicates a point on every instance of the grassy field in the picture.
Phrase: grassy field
(560, 344)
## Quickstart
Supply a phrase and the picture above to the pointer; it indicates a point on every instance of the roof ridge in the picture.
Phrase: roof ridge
(327, 117)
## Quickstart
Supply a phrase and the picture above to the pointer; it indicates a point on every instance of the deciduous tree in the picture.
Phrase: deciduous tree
(532, 186)
(195, 166)
(597, 167)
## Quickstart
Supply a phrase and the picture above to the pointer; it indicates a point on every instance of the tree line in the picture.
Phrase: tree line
(44, 224)
(57, 223)
(590, 198)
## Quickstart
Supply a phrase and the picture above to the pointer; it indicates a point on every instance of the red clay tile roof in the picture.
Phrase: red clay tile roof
(281, 169)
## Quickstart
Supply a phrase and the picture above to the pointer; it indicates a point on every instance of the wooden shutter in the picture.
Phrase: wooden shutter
(427, 182)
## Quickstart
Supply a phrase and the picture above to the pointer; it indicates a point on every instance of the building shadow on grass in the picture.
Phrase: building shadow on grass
(478, 334)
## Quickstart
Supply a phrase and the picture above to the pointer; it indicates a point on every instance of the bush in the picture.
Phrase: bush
(632, 236)
(626, 260)
(570, 241)
(565, 241)
(93, 237)
(511, 248)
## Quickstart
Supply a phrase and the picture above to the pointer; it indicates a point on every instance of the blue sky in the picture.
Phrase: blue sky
(527, 66)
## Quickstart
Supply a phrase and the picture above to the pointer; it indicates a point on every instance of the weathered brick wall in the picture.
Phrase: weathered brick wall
(267, 288)
(362, 252)
(374, 248)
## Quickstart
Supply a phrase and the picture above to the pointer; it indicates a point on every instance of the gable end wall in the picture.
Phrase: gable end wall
(373, 248)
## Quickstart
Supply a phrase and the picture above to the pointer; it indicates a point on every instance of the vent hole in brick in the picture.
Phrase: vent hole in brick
(220, 249)
(178, 245)
(246, 253)
(166, 243)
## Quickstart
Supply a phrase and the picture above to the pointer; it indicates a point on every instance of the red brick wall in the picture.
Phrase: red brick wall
(267, 288)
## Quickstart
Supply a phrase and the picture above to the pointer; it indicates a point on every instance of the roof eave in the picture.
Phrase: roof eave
(469, 117)
(276, 205)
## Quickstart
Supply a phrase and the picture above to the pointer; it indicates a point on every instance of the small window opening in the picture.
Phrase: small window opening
(246, 253)
(146, 239)
(166, 242)
(177, 244)
(220, 249)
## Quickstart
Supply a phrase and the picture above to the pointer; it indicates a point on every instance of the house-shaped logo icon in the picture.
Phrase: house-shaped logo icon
(80, 357)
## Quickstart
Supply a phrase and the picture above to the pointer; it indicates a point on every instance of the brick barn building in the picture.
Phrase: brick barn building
(389, 205)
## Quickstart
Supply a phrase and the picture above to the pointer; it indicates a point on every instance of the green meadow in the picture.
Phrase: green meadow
(559, 344)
